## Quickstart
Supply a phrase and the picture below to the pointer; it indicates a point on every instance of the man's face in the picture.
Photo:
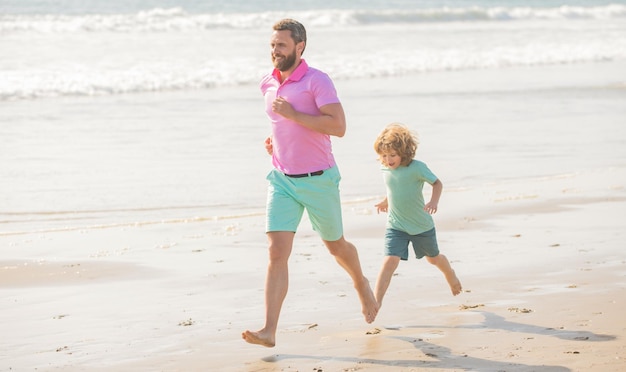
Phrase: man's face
(283, 50)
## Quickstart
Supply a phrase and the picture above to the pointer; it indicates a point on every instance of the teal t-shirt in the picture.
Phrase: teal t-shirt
(406, 201)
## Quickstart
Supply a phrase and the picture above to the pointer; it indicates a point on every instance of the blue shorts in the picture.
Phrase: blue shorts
(288, 197)
(424, 244)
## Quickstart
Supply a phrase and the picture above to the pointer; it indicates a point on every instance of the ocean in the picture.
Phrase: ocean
(124, 113)
(93, 48)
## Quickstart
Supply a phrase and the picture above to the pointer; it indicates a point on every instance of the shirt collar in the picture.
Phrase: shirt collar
(296, 75)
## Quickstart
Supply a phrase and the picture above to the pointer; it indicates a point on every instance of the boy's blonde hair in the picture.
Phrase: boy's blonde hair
(397, 138)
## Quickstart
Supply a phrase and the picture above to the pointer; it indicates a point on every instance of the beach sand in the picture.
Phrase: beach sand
(540, 258)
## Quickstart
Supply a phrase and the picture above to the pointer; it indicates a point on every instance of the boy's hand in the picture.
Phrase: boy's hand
(431, 208)
(382, 206)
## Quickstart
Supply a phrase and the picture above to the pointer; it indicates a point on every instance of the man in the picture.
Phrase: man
(304, 110)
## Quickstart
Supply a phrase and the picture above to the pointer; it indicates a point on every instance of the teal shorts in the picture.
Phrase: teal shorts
(288, 197)
(424, 244)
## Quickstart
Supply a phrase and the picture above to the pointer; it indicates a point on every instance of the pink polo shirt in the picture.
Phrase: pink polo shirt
(297, 149)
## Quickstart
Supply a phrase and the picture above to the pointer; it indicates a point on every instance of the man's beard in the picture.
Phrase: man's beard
(286, 63)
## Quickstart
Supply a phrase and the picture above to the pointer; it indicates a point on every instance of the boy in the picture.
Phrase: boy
(409, 217)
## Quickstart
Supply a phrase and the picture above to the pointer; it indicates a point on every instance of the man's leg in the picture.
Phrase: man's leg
(347, 256)
(276, 285)
(389, 266)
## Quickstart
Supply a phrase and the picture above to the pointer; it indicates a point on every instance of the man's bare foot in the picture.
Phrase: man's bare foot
(369, 305)
(259, 338)
(454, 283)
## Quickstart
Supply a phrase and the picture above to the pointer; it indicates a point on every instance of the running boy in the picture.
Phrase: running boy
(409, 218)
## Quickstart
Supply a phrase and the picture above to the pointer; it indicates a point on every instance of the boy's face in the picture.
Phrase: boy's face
(391, 159)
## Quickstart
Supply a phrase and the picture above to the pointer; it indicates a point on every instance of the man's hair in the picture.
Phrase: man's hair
(397, 138)
(298, 32)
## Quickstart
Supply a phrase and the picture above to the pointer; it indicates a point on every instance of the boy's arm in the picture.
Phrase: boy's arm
(431, 206)
(382, 206)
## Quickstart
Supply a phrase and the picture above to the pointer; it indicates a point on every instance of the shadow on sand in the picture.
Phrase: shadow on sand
(437, 356)
(494, 321)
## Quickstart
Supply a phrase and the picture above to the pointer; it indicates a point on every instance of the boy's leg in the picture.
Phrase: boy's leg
(346, 255)
(276, 285)
(443, 264)
(389, 266)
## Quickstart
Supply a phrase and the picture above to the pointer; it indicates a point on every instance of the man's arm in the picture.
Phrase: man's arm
(331, 121)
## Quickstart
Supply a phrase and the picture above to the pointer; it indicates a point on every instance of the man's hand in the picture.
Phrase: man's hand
(283, 108)
(269, 147)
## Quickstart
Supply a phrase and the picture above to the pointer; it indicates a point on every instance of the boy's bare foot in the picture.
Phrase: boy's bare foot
(454, 283)
(259, 338)
(369, 305)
